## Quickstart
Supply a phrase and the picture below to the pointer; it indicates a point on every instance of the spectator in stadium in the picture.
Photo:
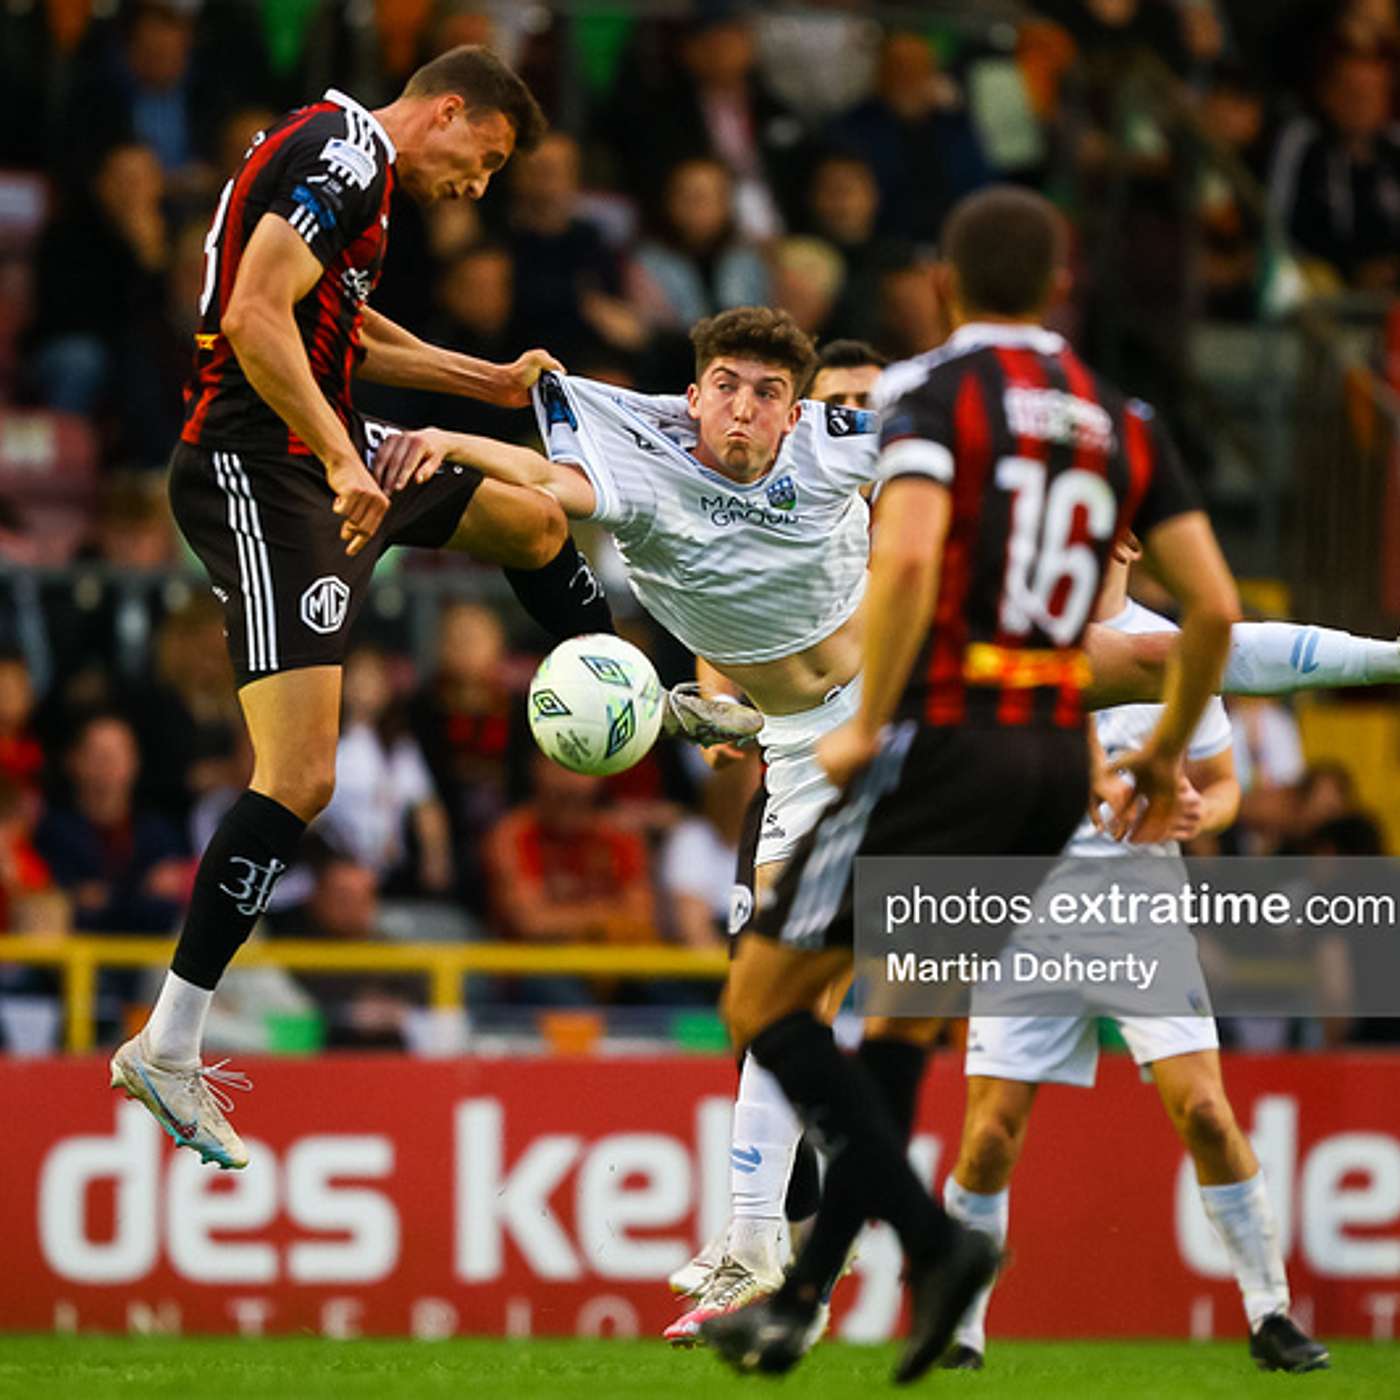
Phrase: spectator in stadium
(24, 875)
(21, 756)
(29, 903)
(473, 312)
(917, 138)
(568, 283)
(560, 871)
(698, 860)
(462, 717)
(100, 272)
(188, 722)
(1232, 109)
(819, 59)
(808, 275)
(385, 809)
(1269, 760)
(364, 1010)
(149, 88)
(694, 263)
(124, 866)
(1336, 180)
(716, 106)
(843, 204)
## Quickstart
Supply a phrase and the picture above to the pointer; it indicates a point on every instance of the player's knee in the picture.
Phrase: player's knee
(742, 1017)
(990, 1145)
(1206, 1119)
(306, 790)
(536, 533)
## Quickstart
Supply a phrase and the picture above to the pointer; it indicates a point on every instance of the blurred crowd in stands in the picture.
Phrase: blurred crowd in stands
(799, 154)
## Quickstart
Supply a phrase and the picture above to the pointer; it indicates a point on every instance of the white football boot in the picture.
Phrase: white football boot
(732, 1285)
(690, 715)
(188, 1101)
(690, 1279)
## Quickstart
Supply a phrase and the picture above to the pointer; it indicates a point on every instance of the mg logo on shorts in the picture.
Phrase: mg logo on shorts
(325, 603)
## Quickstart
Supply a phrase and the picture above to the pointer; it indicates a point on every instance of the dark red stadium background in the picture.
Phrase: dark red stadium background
(552, 1196)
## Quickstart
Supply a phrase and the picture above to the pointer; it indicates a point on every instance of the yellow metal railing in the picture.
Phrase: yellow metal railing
(80, 958)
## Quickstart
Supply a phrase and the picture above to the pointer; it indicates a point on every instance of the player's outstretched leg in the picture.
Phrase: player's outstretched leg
(1236, 1200)
(293, 721)
(1265, 658)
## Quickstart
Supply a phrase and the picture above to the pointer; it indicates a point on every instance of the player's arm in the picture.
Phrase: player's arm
(905, 557)
(1186, 557)
(399, 358)
(416, 456)
(276, 271)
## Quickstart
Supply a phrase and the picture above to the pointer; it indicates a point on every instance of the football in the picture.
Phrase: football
(595, 704)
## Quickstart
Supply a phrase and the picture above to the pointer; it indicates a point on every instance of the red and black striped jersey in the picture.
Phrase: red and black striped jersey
(328, 170)
(1047, 464)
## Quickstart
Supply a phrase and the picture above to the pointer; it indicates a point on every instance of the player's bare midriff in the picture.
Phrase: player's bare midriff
(803, 680)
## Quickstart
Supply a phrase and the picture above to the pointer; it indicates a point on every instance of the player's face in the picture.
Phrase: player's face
(459, 153)
(744, 408)
(846, 388)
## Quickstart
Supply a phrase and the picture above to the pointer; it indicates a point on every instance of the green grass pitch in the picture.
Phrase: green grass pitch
(115, 1368)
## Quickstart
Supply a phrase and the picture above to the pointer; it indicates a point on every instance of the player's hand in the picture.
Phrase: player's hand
(358, 500)
(519, 377)
(1109, 789)
(845, 751)
(1149, 814)
(1190, 811)
(408, 457)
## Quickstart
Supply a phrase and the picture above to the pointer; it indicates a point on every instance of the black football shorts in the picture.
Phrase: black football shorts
(264, 530)
(935, 792)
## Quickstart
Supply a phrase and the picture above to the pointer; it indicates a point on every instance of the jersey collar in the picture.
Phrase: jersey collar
(342, 99)
(976, 334)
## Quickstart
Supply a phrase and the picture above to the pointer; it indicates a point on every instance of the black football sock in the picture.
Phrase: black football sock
(566, 597)
(256, 841)
(804, 1193)
(898, 1068)
(867, 1174)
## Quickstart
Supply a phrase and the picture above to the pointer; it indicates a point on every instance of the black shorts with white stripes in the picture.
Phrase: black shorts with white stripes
(935, 792)
(264, 530)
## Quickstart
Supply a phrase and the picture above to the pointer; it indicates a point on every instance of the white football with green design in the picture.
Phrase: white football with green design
(595, 704)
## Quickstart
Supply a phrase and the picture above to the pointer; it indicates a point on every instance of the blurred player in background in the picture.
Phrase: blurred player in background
(271, 485)
(1007, 471)
(1008, 1056)
(847, 372)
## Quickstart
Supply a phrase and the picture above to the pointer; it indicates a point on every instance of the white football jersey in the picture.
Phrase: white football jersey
(739, 573)
(1125, 728)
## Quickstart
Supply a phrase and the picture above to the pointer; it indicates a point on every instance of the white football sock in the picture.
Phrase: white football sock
(992, 1216)
(1244, 1220)
(1276, 658)
(175, 1032)
(764, 1139)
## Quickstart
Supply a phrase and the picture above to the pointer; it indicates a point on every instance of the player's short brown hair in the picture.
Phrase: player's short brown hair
(1005, 244)
(484, 83)
(756, 333)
